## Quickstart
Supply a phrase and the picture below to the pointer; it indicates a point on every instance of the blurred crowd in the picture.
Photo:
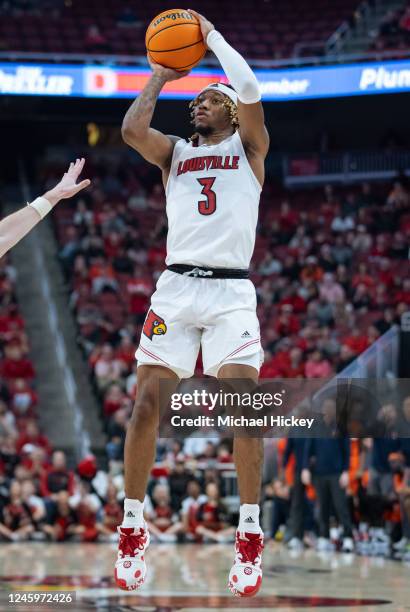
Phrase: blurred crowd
(331, 272)
(394, 31)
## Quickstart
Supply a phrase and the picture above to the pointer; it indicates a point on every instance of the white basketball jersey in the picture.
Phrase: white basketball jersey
(212, 205)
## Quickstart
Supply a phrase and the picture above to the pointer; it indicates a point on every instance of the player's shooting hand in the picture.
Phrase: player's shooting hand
(167, 74)
(206, 26)
(68, 185)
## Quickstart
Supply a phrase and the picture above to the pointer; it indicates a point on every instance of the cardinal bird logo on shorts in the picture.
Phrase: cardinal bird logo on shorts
(154, 325)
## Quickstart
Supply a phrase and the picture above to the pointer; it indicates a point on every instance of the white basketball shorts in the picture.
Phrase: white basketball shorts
(189, 313)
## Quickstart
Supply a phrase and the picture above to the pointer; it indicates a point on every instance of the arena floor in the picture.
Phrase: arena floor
(193, 577)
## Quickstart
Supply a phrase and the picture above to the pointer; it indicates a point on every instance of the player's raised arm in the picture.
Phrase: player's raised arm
(136, 129)
(252, 128)
(14, 227)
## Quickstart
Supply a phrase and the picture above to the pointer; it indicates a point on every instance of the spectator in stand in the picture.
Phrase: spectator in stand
(288, 220)
(403, 294)
(107, 369)
(279, 492)
(317, 366)
(35, 503)
(362, 240)
(114, 399)
(361, 299)
(16, 522)
(311, 271)
(357, 341)
(296, 447)
(327, 458)
(398, 197)
(116, 429)
(212, 518)
(287, 323)
(32, 435)
(386, 321)
(189, 509)
(102, 276)
(7, 422)
(346, 356)
(139, 289)
(61, 519)
(270, 265)
(178, 481)
(70, 249)
(86, 505)
(112, 515)
(15, 364)
(341, 252)
(381, 477)
(95, 41)
(403, 546)
(162, 522)
(83, 217)
(342, 223)
(331, 290)
(23, 398)
(57, 478)
(363, 276)
(296, 366)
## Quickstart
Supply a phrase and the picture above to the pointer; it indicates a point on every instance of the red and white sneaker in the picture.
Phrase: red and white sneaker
(245, 577)
(130, 567)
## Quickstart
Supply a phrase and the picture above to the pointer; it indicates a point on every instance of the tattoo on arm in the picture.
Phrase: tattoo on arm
(141, 110)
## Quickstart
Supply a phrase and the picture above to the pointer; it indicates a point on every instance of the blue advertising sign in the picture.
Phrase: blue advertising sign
(93, 81)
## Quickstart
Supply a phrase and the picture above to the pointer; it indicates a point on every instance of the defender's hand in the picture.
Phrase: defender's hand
(166, 74)
(68, 185)
(206, 26)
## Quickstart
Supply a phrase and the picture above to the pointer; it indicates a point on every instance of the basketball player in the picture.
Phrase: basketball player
(204, 298)
(14, 227)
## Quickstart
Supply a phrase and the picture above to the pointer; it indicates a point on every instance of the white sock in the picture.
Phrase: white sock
(249, 518)
(133, 513)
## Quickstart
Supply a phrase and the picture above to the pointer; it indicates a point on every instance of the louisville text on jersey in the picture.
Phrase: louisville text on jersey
(208, 162)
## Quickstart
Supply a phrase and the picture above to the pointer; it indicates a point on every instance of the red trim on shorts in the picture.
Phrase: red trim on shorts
(152, 355)
(240, 348)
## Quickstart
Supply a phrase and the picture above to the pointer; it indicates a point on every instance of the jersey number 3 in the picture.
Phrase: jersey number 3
(208, 206)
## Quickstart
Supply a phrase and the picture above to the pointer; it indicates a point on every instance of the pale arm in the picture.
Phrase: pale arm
(14, 227)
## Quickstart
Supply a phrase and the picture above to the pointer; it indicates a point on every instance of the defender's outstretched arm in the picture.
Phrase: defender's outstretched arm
(14, 227)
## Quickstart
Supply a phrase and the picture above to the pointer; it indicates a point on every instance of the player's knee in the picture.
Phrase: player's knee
(145, 410)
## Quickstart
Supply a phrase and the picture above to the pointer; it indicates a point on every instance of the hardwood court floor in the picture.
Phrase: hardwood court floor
(193, 578)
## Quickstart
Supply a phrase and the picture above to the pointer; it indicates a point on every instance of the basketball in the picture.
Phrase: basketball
(174, 40)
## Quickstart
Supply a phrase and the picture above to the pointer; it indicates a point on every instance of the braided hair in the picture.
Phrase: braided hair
(227, 103)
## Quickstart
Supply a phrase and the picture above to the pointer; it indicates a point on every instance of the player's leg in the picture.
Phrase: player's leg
(139, 456)
(140, 440)
(245, 577)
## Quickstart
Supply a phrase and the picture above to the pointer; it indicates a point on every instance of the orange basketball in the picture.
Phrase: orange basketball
(174, 40)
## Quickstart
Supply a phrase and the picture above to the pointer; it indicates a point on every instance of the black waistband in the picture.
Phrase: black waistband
(200, 272)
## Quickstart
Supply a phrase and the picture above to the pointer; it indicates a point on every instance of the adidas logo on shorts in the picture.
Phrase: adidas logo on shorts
(249, 520)
(130, 514)
(246, 334)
